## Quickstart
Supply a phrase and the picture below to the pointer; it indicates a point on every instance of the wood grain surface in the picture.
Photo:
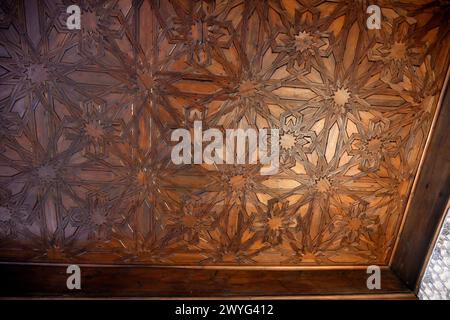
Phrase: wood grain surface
(137, 281)
(86, 118)
(429, 204)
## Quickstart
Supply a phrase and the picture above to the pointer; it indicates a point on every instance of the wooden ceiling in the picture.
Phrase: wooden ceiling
(86, 118)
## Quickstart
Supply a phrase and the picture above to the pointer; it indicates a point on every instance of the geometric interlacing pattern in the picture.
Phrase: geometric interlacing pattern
(86, 117)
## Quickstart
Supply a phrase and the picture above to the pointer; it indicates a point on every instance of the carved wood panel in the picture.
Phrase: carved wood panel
(86, 118)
